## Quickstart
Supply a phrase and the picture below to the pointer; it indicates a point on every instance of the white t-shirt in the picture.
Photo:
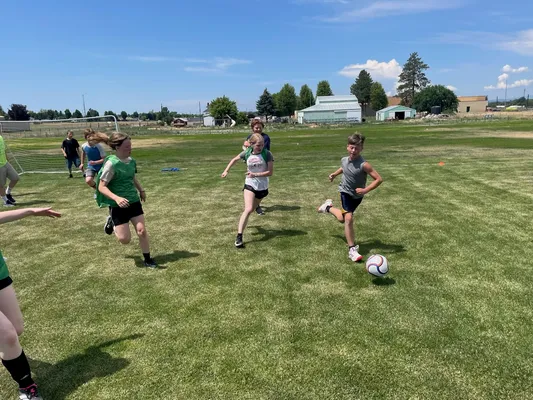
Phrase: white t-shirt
(256, 164)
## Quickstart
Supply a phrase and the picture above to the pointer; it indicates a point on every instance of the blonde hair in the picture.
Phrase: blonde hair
(113, 141)
(256, 137)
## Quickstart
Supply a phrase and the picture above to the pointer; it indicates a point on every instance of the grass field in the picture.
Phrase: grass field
(289, 316)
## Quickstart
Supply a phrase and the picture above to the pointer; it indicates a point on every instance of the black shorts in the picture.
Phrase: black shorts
(5, 282)
(259, 194)
(124, 215)
(349, 203)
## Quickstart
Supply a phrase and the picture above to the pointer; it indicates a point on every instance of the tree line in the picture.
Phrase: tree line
(414, 89)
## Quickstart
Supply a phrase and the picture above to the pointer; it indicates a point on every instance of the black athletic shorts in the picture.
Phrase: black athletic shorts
(349, 204)
(124, 215)
(5, 282)
(259, 194)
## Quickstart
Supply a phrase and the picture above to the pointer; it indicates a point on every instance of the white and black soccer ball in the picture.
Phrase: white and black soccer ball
(377, 265)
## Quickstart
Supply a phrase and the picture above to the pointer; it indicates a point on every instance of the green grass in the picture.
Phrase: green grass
(288, 317)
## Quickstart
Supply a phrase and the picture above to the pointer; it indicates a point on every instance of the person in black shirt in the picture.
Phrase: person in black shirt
(71, 151)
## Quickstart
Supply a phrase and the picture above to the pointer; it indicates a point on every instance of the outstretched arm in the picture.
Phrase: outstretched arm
(230, 164)
(333, 175)
(8, 216)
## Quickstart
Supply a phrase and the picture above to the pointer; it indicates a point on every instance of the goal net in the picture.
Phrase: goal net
(35, 146)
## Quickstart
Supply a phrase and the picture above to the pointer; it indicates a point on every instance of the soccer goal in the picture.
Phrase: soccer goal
(35, 146)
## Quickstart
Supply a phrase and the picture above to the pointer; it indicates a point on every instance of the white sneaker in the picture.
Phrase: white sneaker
(327, 203)
(8, 205)
(354, 255)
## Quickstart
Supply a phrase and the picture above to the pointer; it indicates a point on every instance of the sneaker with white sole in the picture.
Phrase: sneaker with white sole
(354, 255)
(239, 242)
(108, 227)
(10, 198)
(323, 207)
(29, 393)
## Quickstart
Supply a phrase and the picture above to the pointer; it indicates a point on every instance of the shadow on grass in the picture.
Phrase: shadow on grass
(377, 245)
(58, 381)
(280, 207)
(16, 195)
(162, 259)
(272, 233)
(383, 281)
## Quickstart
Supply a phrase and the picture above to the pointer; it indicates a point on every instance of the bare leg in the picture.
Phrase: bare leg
(250, 204)
(11, 324)
(348, 229)
(140, 228)
(123, 234)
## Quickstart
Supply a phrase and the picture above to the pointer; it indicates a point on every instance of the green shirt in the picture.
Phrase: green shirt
(122, 184)
(3, 158)
(4, 273)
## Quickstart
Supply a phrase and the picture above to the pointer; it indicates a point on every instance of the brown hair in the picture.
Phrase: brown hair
(356, 139)
(88, 132)
(113, 141)
(256, 121)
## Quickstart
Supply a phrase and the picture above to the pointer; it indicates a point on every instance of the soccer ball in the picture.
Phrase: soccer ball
(377, 265)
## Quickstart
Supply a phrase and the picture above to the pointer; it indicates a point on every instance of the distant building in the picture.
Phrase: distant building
(331, 109)
(193, 121)
(395, 113)
(393, 101)
(472, 104)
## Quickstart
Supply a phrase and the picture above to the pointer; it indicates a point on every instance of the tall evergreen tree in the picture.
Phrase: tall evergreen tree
(412, 79)
(265, 105)
(306, 97)
(378, 97)
(287, 100)
(361, 88)
(323, 89)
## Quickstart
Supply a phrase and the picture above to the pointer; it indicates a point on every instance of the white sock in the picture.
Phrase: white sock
(8, 191)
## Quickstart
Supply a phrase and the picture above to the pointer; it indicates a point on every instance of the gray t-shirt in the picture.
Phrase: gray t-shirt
(353, 176)
(255, 163)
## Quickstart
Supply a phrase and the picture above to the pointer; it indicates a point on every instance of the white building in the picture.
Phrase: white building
(332, 109)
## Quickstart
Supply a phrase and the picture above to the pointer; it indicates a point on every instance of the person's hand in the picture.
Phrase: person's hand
(251, 174)
(81, 167)
(122, 202)
(45, 212)
(246, 143)
(361, 191)
(224, 174)
(91, 163)
(331, 177)
(142, 194)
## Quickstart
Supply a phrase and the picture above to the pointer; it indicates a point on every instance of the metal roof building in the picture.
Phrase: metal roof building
(395, 112)
(331, 109)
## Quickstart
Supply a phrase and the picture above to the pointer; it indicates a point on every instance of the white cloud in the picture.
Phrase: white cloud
(215, 65)
(504, 84)
(508, 68)
(452, 88)
(503, 78)
(386, 70)
(386, 8)
(518, 42)
(522, 43)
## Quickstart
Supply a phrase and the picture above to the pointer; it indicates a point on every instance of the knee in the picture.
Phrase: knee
(348, 219)
(9, 336)
(90, 182)
(124, 240)
(141, 232)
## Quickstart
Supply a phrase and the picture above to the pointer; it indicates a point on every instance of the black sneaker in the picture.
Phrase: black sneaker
(238, 241)
(70, 176)
(150, 263)
(10, 198)
(29, 393)
(108, 227)
(8, 202)
(259, 211)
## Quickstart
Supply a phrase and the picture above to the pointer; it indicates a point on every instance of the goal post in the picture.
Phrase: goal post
(35, 146)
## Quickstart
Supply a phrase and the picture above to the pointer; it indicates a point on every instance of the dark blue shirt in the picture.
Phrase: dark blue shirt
(266, 139)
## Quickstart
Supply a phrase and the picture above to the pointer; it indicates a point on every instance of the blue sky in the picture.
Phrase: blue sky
(137, 55)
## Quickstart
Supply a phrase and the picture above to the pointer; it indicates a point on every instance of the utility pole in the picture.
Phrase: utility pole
(505, 101)
(83, 98)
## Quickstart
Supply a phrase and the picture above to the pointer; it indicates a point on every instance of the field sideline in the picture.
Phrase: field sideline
(289, 316)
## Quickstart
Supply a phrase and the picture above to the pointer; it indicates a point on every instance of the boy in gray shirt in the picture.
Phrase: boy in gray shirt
(354, 170)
